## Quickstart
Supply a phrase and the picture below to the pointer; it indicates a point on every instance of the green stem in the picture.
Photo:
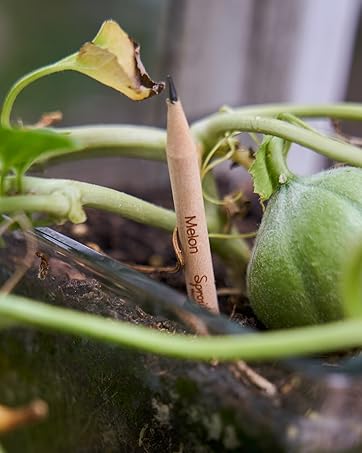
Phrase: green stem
(112, 140)
(276, 161)
(255, 346)
(106, 199)
(292, 119)
(53, 204)
(343, 110)
(21, 84)
(210, 131)
(149, 143)
(143, 212)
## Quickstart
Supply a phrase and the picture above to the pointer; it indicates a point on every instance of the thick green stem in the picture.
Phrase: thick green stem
(255, 346)
(113, 140)
(55, 204)
(21, 84)
(103, 198)
(210, 131)
(342, 110)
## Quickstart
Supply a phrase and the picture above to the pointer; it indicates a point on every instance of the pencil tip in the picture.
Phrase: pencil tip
(171, 90)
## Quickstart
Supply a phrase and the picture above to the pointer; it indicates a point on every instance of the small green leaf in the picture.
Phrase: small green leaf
(263, 184)
(269, 169)
(352, 281)
(20, 148)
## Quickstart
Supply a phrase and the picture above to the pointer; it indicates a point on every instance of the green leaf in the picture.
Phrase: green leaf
(20, 148)
(263, 184)
(269, 169)
(352, 281)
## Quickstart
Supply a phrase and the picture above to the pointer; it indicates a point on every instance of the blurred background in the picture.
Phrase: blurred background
(233, 52)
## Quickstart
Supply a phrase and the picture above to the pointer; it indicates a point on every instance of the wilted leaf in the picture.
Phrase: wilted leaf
(113, 58)
(19, 148)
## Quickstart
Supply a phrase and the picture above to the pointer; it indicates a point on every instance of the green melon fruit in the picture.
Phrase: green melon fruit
(307, 230)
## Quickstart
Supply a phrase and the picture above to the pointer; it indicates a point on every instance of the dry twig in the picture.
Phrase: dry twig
(240, 369)
(11, 419)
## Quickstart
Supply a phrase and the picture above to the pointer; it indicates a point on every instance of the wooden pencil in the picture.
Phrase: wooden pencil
(183, 165)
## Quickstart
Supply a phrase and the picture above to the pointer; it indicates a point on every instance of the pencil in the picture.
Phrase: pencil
(183, 166)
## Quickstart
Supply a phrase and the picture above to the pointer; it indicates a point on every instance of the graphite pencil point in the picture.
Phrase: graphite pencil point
(171, 90)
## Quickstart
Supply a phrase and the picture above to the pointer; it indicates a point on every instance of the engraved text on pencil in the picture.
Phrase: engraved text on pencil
(191, 234)
(197, 292)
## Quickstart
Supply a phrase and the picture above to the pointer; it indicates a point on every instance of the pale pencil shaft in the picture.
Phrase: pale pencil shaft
(183, 164)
